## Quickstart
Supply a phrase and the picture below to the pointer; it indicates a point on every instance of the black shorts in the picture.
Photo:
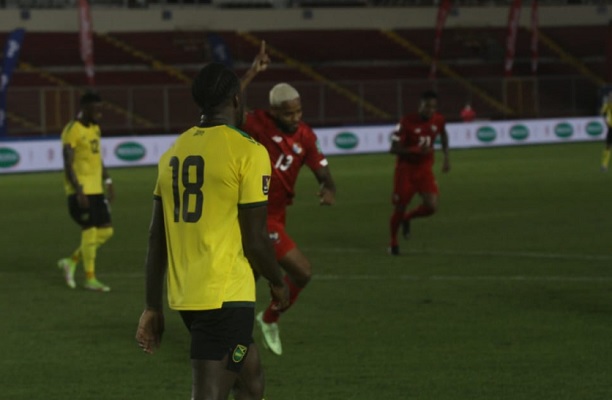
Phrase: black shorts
(609, 136)
(219, 333)
(98, 213)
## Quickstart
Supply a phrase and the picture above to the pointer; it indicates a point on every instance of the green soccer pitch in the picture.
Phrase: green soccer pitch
(506, 293)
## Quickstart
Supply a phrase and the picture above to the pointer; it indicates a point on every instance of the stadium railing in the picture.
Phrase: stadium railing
(47, 4)
(157, 109)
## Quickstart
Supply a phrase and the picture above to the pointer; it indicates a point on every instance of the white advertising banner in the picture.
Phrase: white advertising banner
(46, 155)
(375, 139)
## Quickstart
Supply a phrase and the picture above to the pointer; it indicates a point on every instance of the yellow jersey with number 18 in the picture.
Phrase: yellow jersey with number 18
(87, 164)
(203, 179)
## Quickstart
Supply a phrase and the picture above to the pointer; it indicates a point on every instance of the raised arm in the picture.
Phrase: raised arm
(151, 324)
(259, 251)
(261, 62)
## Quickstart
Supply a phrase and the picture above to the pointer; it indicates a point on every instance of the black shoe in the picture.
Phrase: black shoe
(406, 228)
(393, 250)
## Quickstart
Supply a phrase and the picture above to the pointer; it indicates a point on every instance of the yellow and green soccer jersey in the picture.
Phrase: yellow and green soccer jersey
(207, 175)
(606, 110)
(85, 141)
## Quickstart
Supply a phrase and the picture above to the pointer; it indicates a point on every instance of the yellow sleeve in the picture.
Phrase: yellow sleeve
(163, 160)
(255, 178)
(69, 134)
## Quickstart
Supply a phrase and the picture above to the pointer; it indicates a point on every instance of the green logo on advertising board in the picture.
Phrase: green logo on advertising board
(594, 128)
(519, 132)
(564, 130)
(346, 140)
(8, 157)
(486, 134)
(130, 151)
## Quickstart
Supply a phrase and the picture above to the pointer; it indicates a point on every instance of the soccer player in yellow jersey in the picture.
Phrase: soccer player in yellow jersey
(208, 233)
(606, 111)
(84, 173)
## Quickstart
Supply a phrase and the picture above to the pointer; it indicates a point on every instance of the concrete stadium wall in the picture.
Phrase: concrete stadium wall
(208, 18)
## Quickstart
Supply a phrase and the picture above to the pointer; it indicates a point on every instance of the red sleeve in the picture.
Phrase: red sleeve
(314, 157)
(252, 125)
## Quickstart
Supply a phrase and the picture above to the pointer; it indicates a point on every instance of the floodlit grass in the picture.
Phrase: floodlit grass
(506, 293)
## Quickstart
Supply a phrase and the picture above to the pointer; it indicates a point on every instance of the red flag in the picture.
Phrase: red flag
(513, 20)
(86, 40)
(534, 36)
(443, 10)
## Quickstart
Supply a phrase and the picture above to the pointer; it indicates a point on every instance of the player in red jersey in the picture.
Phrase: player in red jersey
(413, 144)
(291, 143)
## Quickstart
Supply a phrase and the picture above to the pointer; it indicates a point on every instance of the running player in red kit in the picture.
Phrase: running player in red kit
(290, 143)
(413, 144)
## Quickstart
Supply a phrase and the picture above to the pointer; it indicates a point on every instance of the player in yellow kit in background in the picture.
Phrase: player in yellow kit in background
(84, 178)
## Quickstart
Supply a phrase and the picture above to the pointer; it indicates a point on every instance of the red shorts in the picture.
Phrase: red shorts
(276, 228)
(408, 181)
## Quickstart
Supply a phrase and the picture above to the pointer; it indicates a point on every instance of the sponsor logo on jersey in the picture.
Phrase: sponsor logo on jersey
(239, 353)
(564, 130)
(297, 149)
(273, 236)
(519, 132)
(277, 139)
(434, 128)
(594, 128)
(130, 151)
(486, 134)
(265, 184)
(417, 130)
(8, 157)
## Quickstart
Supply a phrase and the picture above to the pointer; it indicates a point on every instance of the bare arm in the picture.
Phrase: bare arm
(157, 258)
(151, 324)
(261, 62)
(327, 191)
(446, 162)
(68, 155)
(110, 189)
(259, 251)
(398, 149)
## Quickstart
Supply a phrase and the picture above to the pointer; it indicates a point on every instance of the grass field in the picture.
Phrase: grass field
(506, 293)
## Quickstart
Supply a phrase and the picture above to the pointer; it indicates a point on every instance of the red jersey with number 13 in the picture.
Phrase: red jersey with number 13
(414, 131)
(288, 152)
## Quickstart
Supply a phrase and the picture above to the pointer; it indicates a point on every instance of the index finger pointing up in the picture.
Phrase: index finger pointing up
(262, 49)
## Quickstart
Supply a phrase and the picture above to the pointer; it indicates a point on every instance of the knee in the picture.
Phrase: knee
(301, 277)
(103, 234)
(432, 206)
(252, 388)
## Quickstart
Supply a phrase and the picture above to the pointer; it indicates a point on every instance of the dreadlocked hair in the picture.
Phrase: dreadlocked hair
(213, 86)
(90, 97)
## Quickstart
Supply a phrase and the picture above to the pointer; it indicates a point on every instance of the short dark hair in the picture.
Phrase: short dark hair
(90, 97)
(428, 95)
(214, 85)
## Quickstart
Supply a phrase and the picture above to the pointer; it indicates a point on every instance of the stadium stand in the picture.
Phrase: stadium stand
(358, 76)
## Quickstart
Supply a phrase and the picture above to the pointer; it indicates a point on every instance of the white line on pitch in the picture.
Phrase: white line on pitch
(509, 254)
(467, 278)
